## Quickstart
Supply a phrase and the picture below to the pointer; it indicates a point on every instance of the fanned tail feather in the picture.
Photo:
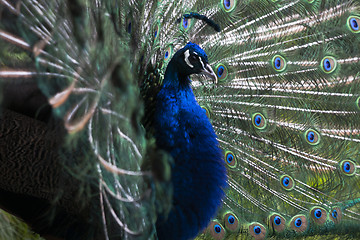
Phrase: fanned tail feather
(285, 109)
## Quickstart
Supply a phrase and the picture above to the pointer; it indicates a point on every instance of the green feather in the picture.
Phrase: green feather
(286, 106)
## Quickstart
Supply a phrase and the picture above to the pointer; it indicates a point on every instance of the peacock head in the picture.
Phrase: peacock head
(191, 59)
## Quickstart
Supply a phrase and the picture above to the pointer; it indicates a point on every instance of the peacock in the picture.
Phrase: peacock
(160, 119)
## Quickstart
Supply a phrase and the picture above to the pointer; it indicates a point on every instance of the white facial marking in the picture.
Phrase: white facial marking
(187, 55)
(203, 66)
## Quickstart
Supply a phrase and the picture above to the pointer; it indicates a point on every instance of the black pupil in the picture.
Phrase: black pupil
(298, 222)
(230, 158)
(217, 229)
(227, 3)
(231, 220)
(355, 24)
(286, 181)
(311, 137)
(318, 213)
(258, 120)
(277, 63)
(327, 64)
(347, 166)
(335, 213)
(221, 70)
(277, 221)
(257, 230)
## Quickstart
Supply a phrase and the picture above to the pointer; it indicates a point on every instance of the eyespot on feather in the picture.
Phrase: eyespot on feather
(185, 23)
(228, 5)
(318, 215)
(221, 72)
(348, 167)
(336, 215)
(299, 223)
(230, 159)
(231, 222)
(216, 230)
(328, 64)
(278, 63)
(258, 231)
(168, 53)
(277, 222)
(156, 32)
(353, 23)
(287, 182)
(312, 137)
(259, 121)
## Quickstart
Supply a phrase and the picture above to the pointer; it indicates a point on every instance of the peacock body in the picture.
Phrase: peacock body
(183, 130)
(102, 90)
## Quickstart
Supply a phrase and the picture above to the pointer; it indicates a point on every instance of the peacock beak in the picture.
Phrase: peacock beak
(208, 71)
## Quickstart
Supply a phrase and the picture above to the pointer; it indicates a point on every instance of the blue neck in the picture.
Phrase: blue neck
(173, 77)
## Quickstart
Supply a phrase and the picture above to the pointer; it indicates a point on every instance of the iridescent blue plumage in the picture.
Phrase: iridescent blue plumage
(183, 129)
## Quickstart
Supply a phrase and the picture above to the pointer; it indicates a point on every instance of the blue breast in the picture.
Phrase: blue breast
(198, 175)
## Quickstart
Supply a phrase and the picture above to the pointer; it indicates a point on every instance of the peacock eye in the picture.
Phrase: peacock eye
(216, 231)
(259, 121)
(277, 220)
(287, 182)
(353, 23)
(299, 223)
(348, 167)
(228, 5)
(230, 159)
(156, 32)
(328, 64)
(185, 24)
(278, 63)
(168, 53)
(231, 219)
(221, 71)
(336, 215)
(257, 231)
(231, 222)
(317, 213)
(217, 228)
(312, 137)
